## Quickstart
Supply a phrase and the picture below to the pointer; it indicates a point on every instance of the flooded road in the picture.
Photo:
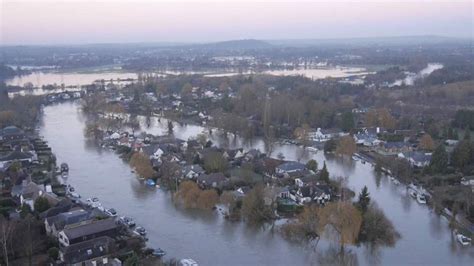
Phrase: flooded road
(210, 239)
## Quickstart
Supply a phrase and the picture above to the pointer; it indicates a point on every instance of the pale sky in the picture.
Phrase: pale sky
(106, 21)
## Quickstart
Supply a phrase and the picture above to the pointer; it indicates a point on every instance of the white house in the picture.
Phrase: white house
(322, 135)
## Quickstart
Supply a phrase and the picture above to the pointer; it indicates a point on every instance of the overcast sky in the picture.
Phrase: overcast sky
(87, 21)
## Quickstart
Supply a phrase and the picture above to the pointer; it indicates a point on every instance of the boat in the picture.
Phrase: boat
(64, 168)
(126, 221)
(421, 199)
(158, 252)
(75, 195)
(313, 149)
(355, 158)
(188, 262)
(463, 240)
(150, 182)
(140, 231)
(93, 202)
(413, 193)
(111, 212)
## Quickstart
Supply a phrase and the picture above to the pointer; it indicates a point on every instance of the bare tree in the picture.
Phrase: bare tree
(6, 230)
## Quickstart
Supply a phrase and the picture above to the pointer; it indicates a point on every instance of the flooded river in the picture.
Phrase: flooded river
(210, 239)
(40, 78)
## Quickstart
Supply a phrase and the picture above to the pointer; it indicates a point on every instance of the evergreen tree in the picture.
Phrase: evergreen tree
(439, 160)
(41, 204)
(324, 175)
(364, 199)
(461, 154)
(467, 134)
(312, 165)
(347, 121)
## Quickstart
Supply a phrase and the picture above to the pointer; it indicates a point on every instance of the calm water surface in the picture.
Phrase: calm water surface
(39, 79)
(208, 238)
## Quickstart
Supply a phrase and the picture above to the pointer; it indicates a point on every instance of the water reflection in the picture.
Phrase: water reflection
(334, 255)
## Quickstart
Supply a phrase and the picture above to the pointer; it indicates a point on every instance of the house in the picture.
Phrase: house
(306, 180)
(192, 144)
(28, 192)
(290, 167)
(395, 147)
(468, 181)
(367, 137)
(252, 155)
(233, 154)
(214, 180)
(322, 135)
(97, 251)
(12, 133)
(319, 194)
(192, 171)
(16, 156)
(87, 231)
(241, 192)
(153, 151)
(55, 224)
(416, 158)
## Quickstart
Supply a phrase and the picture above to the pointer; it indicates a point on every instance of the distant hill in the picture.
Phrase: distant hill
(237, 45)
(396, 40)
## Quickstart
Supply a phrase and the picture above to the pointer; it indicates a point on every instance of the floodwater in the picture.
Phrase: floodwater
(39, 79)
(321, 73)
(208, 237)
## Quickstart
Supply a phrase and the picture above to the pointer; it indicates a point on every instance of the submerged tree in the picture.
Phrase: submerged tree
(346, 146)
(312, 165)
(377, 230)
(141, 163)
(254, 209)
(344, 219)
(364, 199)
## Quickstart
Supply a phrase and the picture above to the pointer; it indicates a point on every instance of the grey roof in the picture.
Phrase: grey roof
(291, 166)
(396, 144)
(87, 250)
(16, 155)
(211, 178)
(195, 168)
(11, 130)
(417, 156)
(150, 149)
(63, 219)
(90, 228)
